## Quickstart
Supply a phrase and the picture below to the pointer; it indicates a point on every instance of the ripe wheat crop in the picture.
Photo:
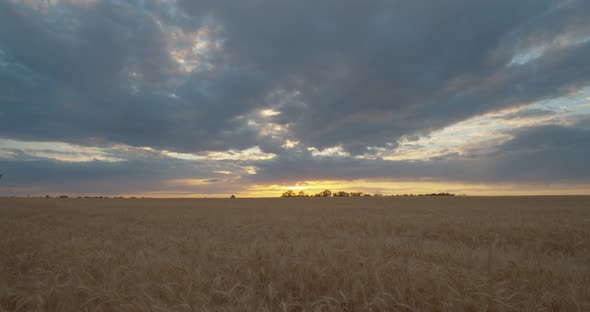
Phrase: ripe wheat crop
(308, 254)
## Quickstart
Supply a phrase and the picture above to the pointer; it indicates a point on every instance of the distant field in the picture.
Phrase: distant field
(296, 254)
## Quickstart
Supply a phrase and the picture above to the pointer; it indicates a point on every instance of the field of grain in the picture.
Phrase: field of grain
(300, 254)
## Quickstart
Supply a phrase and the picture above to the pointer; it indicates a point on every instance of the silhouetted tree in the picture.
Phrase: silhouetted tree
(341, 194)
(440, 194)
(302, 194)
(328, 193)
(289, 193)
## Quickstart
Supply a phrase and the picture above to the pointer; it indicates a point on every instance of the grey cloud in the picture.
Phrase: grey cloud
(370, 72)
(142, 174)
(528, 113)
(543, 138)
(105, 74)
(548, 154)
(365, 73)
(355, 74)
(551, 154)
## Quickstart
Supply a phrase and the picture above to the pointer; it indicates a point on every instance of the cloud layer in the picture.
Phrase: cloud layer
(325, 90)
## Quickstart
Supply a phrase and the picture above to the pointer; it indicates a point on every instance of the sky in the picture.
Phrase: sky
(208, 98)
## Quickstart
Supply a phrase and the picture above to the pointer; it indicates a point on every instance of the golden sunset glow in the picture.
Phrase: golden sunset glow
(417, 187)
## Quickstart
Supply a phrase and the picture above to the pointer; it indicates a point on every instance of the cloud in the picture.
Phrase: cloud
(339, 73)
(529, 113)
(292, 90)
(35, 168)
(549, 153)
(371, 72)
(139, 176)
(105, 74)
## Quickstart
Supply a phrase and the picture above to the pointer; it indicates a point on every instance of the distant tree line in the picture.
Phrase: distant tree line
(438, 194)
(100, 197)
(328, 193)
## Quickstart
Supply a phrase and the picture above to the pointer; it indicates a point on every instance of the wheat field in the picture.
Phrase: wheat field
(299, 254)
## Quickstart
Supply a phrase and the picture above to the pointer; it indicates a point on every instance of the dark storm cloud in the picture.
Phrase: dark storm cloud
(364, 73)
(104, 73)
(372, 71)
